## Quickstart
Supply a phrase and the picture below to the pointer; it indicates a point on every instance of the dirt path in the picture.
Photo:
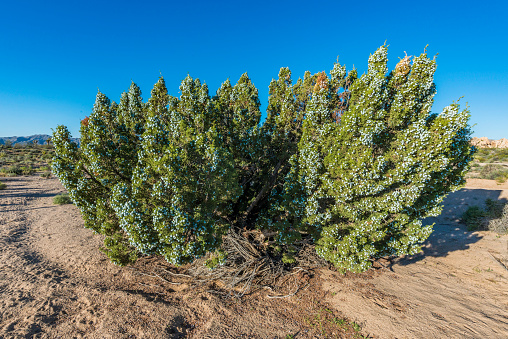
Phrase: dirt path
(456, 288)
(55, 283)
(52, 279)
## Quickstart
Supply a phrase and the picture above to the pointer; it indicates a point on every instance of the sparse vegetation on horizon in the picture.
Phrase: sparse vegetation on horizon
(25, 159)
(491, 164)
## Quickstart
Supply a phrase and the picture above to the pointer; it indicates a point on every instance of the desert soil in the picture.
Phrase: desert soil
(55, 283)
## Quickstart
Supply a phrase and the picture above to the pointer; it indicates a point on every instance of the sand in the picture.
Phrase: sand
(55, 283)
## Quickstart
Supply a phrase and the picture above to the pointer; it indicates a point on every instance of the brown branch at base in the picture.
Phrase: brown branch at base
(249, 266)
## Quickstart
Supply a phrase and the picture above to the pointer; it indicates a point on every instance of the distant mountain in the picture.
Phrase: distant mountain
(41, 139)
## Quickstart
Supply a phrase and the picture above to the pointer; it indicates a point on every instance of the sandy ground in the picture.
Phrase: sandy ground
(55, 283)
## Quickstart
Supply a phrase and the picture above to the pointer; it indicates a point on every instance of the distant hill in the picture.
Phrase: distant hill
(485, 142)
(41, 139)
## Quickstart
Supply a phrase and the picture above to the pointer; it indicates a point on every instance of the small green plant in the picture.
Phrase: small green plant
(46, 174)
(356, 327)
(27, 170)
(501, 178)
(290, 336)
(62, 199)
(473, 217)
(217, 258)
(2, 186)
(288, 258)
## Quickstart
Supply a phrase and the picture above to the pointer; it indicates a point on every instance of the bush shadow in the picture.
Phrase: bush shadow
(450, 234)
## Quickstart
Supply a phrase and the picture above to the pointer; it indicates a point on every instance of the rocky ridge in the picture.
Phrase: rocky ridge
(485, 142)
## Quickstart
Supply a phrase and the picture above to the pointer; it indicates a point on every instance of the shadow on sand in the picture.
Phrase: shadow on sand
(449, 233)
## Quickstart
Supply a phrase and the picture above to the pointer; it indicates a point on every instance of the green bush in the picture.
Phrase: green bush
(494, 217)
(12, 170)
(27, 170)
(2, 185)
(473, 217)
(46, 174)
(493, 172)
(62, 199)
(352, 164)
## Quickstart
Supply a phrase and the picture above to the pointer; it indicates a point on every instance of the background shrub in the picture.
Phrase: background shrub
(499, 223)
(473, 217)
(62, 199)
(494, 217)
(494, 172)
(12, 170)
(46, 174)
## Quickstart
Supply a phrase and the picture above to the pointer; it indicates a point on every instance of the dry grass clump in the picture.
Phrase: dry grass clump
(500, 224)
(494, 217)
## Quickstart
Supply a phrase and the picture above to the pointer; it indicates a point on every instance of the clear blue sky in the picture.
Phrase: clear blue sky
(55, 54)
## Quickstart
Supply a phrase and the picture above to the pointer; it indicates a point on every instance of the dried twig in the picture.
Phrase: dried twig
(285, 296)
(499, 261)
(166, 280)
(176, 274)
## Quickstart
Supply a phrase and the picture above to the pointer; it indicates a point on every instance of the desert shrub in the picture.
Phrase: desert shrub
(27, 170)
(2, 185)
(487, 155)
(46, 174)
(499, 223)
(44, 168)
(62, 199)
(494, 172)
(494, 217)
(494, 208)
(473, 218)
(12, 170)
(351, 164)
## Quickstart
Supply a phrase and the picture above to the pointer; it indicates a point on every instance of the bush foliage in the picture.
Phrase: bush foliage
(353, 163)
